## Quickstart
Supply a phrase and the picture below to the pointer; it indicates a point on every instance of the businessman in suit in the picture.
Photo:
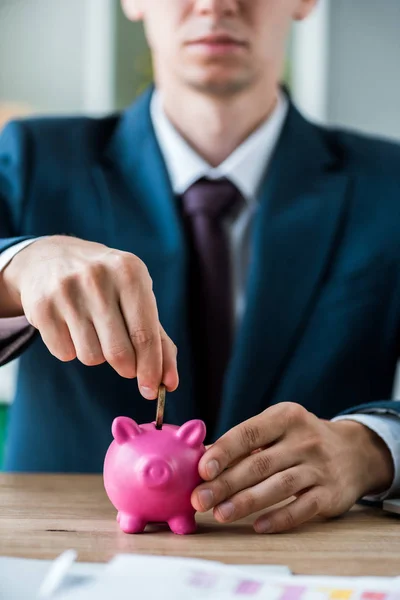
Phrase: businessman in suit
(212, 218)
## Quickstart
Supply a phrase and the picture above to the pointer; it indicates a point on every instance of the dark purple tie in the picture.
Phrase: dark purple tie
(207, 207)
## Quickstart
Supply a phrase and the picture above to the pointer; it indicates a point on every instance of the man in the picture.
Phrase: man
(212, 218)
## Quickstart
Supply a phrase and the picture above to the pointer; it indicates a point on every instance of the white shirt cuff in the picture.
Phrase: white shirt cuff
(8, 255)
(388, 429)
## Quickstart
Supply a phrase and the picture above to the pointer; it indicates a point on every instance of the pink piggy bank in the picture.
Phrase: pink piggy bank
(150, 474)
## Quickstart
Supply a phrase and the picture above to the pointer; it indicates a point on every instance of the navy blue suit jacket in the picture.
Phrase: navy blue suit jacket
(321, 326)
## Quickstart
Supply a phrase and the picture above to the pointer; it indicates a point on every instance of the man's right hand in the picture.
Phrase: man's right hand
(93, 303)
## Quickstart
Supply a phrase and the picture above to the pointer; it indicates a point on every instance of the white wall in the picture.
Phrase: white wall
(69, 56)
(41, 50)
(310, 55)
(364, 65)
(7, 382)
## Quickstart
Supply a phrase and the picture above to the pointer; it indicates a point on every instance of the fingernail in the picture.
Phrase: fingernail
(148, 393)
(226, 510)
(206, 498)
(264, 526)
(212, 469)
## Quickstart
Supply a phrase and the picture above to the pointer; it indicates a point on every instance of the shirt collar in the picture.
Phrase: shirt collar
(245, 167)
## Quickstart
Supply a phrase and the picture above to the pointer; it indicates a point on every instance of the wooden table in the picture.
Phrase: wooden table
(42, 515)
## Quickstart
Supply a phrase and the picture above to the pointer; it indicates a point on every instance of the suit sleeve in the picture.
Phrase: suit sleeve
(384, 418)
(15, 334)
(384, 407)
(387, 427)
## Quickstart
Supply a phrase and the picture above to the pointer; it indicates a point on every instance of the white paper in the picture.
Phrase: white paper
(151, 578)
(20, 578)
(137, 577)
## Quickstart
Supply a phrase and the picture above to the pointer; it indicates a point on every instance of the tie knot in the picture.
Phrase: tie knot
(214, 198)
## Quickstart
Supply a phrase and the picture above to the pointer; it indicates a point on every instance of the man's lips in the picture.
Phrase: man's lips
(217, 44)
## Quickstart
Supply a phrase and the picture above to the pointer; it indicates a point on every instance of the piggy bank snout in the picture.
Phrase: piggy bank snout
(156, 472)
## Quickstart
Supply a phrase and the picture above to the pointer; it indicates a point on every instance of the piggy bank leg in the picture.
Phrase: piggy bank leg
(183, 524)
(131, 523)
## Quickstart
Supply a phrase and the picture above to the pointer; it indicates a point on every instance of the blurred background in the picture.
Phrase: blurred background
(83, 56)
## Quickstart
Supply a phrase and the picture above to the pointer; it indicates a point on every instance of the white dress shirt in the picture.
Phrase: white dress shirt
(245, 168)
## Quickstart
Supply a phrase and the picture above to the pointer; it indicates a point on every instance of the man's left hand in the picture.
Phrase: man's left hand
(287, 453)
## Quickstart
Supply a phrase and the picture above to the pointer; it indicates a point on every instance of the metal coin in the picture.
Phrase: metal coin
(160, 407)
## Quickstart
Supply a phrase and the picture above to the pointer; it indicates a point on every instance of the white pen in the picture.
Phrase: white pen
(56, 574)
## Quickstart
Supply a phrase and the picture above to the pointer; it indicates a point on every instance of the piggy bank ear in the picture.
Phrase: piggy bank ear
(124, 428)
(192, 433)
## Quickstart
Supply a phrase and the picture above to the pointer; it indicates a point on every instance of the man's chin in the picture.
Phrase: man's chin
(218, 86)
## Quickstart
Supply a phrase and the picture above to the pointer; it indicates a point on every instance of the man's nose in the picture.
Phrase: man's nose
(218, 8)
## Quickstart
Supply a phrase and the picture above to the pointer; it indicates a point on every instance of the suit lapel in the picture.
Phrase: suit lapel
(302, 207)
(134, 172)
(143, 218)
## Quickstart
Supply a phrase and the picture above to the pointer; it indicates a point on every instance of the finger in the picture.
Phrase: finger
(139, 309)
(170, 376)
(304, 508)
(248, 472)
(56, 336)
(240, 441)
(97, 326)
(87, 346)
(73, 303)
(115, 343)
(275, 489)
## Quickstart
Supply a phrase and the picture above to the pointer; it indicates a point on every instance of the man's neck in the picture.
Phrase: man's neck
(215, 127)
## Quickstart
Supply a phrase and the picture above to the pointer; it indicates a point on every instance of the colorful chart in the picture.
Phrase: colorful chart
(219, 585)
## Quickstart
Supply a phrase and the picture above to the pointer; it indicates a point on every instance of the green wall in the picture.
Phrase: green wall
(133, 72)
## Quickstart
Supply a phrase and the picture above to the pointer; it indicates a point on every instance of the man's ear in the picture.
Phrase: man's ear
(132, 9)
(303, 9)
